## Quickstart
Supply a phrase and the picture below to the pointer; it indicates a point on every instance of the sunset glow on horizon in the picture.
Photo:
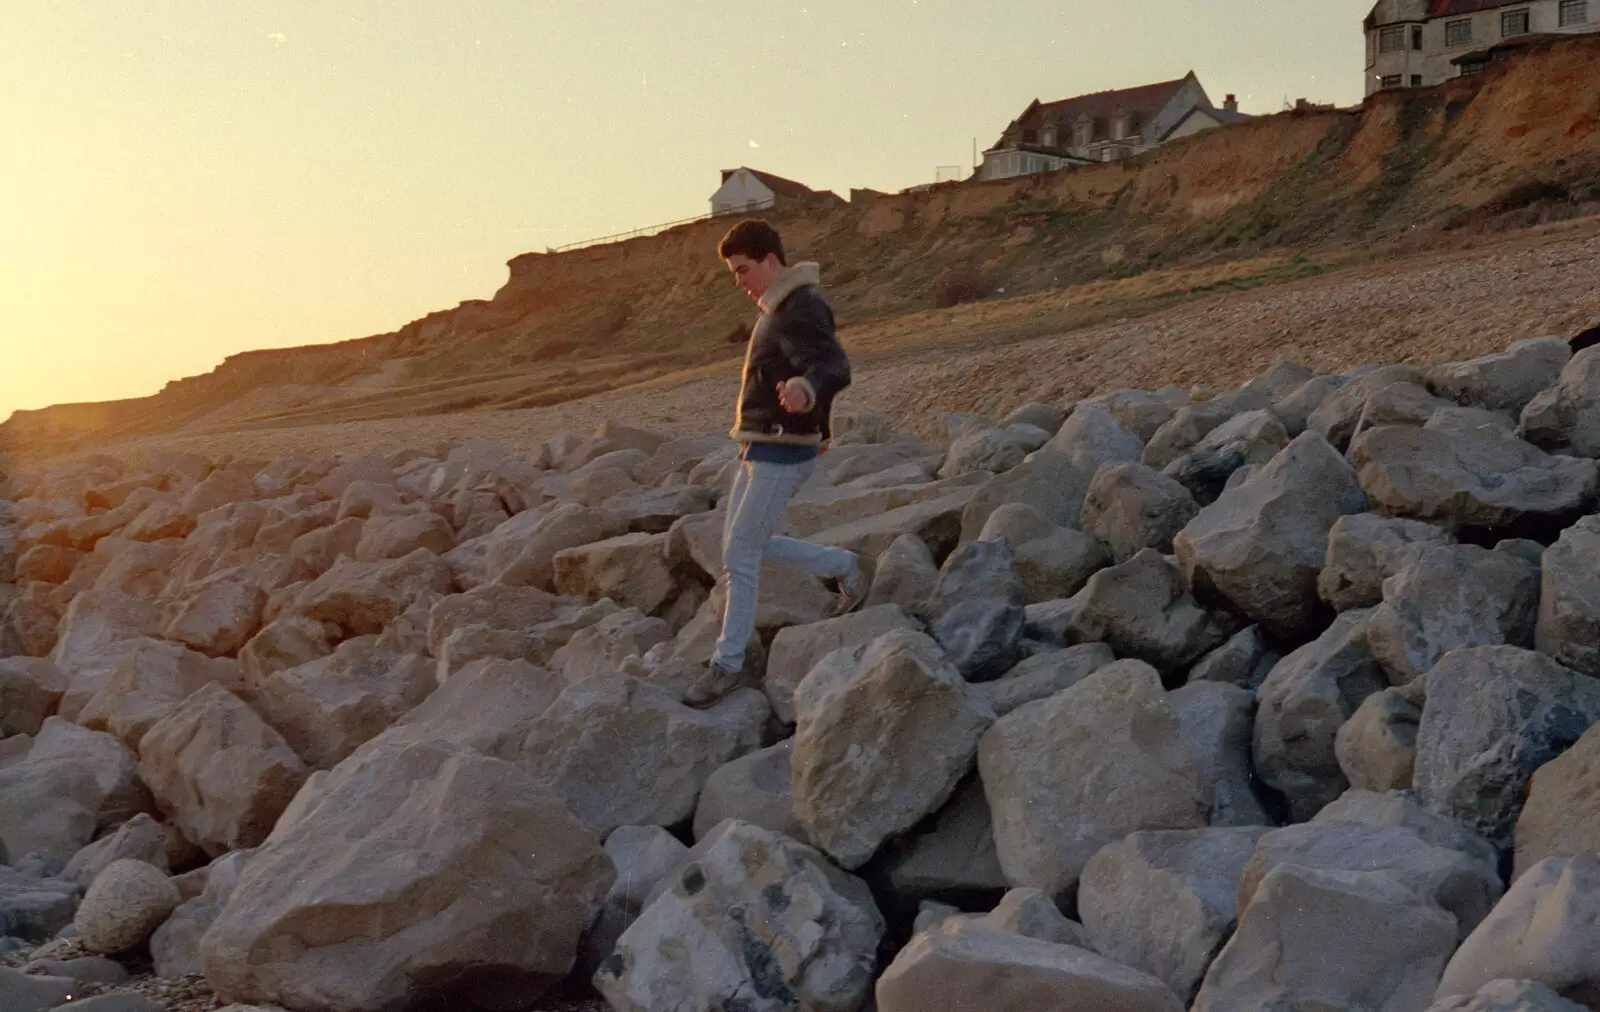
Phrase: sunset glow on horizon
(186, 182)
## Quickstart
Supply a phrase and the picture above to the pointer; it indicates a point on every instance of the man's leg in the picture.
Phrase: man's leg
(750, 524)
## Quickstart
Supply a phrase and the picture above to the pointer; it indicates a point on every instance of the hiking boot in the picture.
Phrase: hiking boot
(852, 590)
(712, 686)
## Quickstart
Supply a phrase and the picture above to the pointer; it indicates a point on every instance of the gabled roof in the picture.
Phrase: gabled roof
(1222, 116)
(777, 184)
(1145, 100)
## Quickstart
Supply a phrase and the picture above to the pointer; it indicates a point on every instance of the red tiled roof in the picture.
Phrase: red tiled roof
(777, 184)
(1145, 100)
(1451, 8)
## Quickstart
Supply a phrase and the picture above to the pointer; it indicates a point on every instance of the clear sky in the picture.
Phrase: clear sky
(185, 179)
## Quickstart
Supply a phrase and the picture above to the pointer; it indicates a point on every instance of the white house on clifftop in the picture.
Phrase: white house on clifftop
(745, 189)
(1421, 43)
(1103, 127)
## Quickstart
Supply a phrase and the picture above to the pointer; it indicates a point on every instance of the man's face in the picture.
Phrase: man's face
(754, 276)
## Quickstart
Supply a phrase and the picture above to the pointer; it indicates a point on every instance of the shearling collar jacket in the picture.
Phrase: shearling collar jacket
(794, 338)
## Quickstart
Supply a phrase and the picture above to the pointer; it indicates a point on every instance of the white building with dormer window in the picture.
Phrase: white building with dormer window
(1421, 43)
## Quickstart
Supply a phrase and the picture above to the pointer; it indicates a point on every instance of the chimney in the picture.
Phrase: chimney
(1231, 103)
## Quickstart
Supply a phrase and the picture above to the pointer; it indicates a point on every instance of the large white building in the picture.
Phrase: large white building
(1106, 126)
(1421, 43)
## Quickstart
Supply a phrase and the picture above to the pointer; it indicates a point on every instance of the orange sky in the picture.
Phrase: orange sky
(181, 182)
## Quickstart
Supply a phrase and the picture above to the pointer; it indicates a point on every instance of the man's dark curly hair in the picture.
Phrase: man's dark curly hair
(754, 239)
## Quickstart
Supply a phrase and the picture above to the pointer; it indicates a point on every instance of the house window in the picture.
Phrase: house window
(1458, 33)
(1472, 69)
(1513, 23)
(1030, 136)
(1049, 137)
(1416, 38)
(1392, 39)
(1416, 80)
(1082, 134)
(1389, 81)
(1574, 12)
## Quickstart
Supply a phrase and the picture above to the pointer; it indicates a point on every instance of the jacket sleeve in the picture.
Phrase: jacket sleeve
(809, 340)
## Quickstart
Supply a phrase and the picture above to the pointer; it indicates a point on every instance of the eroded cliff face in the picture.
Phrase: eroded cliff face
(1510, 146)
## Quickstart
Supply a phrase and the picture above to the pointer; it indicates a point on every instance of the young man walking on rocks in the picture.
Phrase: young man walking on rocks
(793, 369)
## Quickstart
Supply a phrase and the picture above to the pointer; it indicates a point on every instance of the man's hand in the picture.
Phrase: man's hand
(795, 396)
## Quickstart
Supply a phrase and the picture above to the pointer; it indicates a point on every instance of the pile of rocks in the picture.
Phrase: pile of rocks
(1277, 697)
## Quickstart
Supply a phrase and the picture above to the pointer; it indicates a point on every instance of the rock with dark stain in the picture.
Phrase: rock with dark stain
(751, 922)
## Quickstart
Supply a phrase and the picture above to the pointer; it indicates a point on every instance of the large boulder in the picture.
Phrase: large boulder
(1051, 561)
(34, 909)
(30, 690)
(1193, 422)
(1493, 716)
(148, 679)
(1314, 939)
(970, 964)
(643, 856)
(632, 570)
(364, 598)
(992, 449)
(1260, 547)
(521, 552)
(1365, 549)
(1055, 478)
(1505, 381)
(797, 649)
(1303, 702)
(602, 647)
(1143, 609)
(1141, 412)
(97, 619)
(1338, 417)
(141, 838)
(1565, 417)
(1066, 775)
(1460, 883)
(1377, 746)
(1508, 996)
(1165, 902)
(72, 784)
(127, 901)
(904, 575)
(1545, 929)
(326, 708)
(1215, 720)
(1470, 480)
(976, 609)
(1132, 507)
(1401, 808)
(1562, 815)
(652, 753)
(219, 771)
(424, 874)
(220, 613)
(753, 788)
(1451, 597)
(1245, 659)
(949, 858)
(487, 707)
(902, 694)
(1043, 675)
(753, 921)
(1568, 627)
(937, 523)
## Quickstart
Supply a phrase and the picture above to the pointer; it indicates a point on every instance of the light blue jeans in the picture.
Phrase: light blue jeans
(761, 492)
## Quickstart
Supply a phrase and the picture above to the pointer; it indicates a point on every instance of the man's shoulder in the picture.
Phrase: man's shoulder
(806, 301)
